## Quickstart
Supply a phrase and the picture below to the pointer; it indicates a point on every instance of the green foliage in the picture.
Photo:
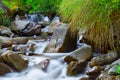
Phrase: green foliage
(43, 6)
(118, 70)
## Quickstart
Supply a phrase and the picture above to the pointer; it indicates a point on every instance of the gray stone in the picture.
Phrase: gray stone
(5, 41)
(14, 60)
(61, 40)
(103, 59)
(84, 53)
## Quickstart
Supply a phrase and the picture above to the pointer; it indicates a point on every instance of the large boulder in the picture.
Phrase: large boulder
(14, 60)
(61, 40)
(26, 28)
(5, 41)
(19, 25)
(81, 54)
(78, 59)
(104, 59)
(4, 31)
(4, 69)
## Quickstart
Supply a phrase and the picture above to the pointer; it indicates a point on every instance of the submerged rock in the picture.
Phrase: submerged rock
(84, 53)
(5, 41)
(103, 59)
(61, 40)
(4, 31)
(4, 69)
(14, 60)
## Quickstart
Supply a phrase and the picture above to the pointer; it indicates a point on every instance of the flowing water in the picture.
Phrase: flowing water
(53, 63)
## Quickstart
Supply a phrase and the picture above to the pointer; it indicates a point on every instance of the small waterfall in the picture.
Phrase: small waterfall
(36, 17)
(32, 17)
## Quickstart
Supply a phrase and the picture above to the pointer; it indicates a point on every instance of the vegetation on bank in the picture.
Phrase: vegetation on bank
(94, 16)
(98, 18)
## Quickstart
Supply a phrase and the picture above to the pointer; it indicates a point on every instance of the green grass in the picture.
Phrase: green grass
(94, 17)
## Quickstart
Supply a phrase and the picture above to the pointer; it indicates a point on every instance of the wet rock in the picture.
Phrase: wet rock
(5, 41)
(87, 78)
(20, 40)
(4, 69)
(26, 28)
(61, 40)
(44, 23)
(14, 60)
(103, 59)
(76, 67)
(20, 48)
(111, 72)
(105, 76)
(95, 71)
(32, 29)
(4, 31)
(84, 53)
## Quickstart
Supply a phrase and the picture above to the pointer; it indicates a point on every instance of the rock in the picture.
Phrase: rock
(61, 41)
(4, 69)
(20, 48)
(4, 31)
(14, 60)
(5, 41)
(26, 28)
(19, 25)
(111, 72)
(33, 30)
(84, 53)
(105, 76)
(44, 23)
(87, 78)
(103, 59)
(20, 40)
(76, 67)
(95, 71)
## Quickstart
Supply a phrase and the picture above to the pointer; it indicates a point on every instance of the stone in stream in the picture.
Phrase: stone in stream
(4, 31)
(5, 41)
(19, 25)
(76, 67)
(32, 29)
(81, 54)
(20, 48)
(26, 28)
(14, 60)
(61, 40)
(95, 71)
(20, 40)
(103, 59)
(78, 59)
(112, 72)
(4, 69)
